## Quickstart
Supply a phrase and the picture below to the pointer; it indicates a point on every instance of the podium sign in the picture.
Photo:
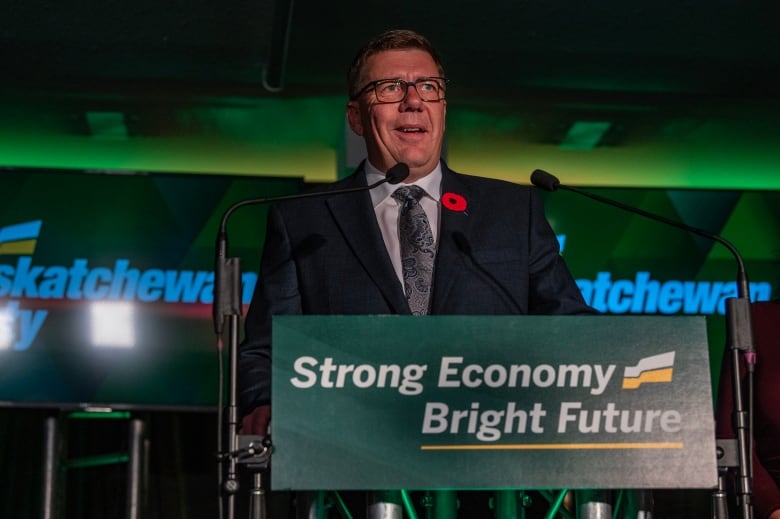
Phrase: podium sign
(478, 402)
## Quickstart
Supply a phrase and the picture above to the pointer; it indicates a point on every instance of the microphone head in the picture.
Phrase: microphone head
(397, 173)
(544, 180)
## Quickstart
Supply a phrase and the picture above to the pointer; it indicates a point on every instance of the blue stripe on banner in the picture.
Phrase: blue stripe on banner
(20, 231)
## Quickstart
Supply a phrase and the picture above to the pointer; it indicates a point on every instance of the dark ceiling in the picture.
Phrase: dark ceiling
(546, 56)
(694, 47)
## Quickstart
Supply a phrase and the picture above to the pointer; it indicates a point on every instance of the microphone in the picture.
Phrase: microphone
(738, 309)
(738, 325)
(550, 182)
(463, 245)
(227, 278)
(227, 304)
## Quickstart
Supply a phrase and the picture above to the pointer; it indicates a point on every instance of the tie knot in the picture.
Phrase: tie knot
(407, 193)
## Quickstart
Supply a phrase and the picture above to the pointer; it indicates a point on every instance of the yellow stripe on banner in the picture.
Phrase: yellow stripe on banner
(555, 446)
(18, 247)
(656, 375)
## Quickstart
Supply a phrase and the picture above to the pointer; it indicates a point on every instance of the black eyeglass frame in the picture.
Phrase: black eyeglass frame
(373, 84)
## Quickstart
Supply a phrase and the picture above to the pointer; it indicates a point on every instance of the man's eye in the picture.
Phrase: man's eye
(390, 87)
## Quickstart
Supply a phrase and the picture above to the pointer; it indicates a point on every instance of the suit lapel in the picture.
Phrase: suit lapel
(449, 259)
(355, 216)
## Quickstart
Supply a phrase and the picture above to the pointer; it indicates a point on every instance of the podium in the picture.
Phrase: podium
(491, 402)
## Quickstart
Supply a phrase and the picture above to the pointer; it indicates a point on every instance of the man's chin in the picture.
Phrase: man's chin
(419, 163)
(416, 160)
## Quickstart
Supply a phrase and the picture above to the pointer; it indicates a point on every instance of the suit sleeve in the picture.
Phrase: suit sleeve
(552, 287)
(276, 293)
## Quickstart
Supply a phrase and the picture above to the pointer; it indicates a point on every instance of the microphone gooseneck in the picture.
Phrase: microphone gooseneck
(227, 306)
(394, 175)
(227, 278)
(739, 333)
(463, 245)
(227, 281)
(549, 182)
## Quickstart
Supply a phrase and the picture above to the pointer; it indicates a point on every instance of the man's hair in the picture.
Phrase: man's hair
(396, 39)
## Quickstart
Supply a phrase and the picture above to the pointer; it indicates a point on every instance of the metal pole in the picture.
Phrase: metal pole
(593, 504)
(257, 497)
(50, 468)
(384, 504)
(135, 469)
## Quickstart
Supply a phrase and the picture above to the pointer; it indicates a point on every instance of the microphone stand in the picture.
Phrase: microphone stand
(227, 306)
(739, 340)
(250, 450)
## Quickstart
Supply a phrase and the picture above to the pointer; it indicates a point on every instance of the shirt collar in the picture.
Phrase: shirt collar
(431, 183)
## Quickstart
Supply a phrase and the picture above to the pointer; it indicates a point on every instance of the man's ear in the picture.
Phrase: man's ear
(353, 117)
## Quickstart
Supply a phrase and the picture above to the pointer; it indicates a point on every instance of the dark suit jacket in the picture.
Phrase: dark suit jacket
(326, 256)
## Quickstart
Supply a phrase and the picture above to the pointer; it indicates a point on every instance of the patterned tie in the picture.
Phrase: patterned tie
(417, 248)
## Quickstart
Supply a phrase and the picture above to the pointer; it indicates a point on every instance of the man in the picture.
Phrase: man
(495, 252)
(344, 254)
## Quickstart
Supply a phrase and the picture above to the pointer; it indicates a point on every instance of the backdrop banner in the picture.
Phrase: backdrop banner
(484, 402)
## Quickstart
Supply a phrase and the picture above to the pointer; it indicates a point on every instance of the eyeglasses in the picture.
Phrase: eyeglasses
(430, 89)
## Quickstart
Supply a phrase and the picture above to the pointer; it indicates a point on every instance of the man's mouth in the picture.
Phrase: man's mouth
(411, 129)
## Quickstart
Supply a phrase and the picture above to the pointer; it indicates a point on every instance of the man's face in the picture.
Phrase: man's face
(409, 131)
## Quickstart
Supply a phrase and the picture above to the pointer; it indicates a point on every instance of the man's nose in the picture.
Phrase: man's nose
(412, 99)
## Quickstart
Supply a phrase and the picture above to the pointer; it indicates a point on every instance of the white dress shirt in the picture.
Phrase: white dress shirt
(387, 209)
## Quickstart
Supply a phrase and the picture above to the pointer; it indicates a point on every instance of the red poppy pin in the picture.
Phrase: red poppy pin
(454, 202)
